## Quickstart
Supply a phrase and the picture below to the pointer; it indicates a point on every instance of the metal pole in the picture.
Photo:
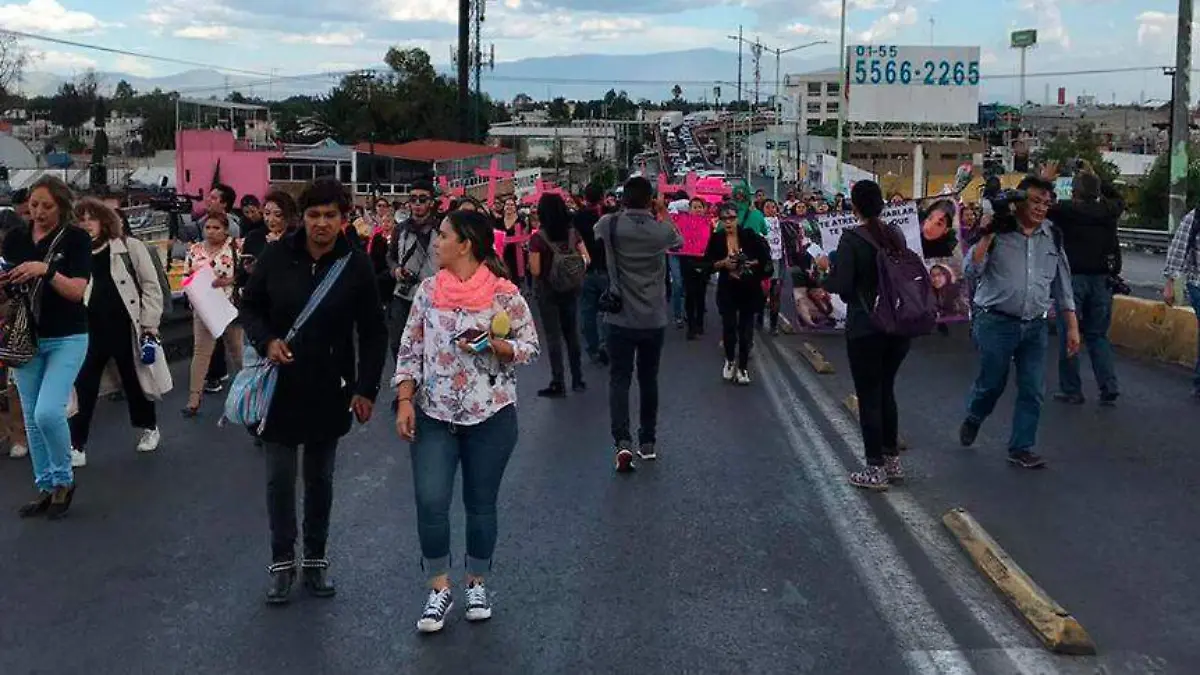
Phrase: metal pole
(464, 70)
(1180, 127)
(837, 169)
(1021, 103)
(779, 121)
(739, 90)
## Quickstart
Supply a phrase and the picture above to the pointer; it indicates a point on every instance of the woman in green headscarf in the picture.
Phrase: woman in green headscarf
(748, 216)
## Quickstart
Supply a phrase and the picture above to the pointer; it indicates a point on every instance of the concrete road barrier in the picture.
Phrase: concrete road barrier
(1150, 329)
(1054, 626)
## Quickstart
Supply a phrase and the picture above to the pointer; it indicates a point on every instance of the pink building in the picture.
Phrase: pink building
(201, 153)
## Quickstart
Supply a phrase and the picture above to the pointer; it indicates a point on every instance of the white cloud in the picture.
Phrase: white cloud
(420, 10)
(832, 9)
(1051, 29)
(332, 39)
(806, 31)
(46, 16)
(62, 61)
(212, 32)
(887, 25)
(611, 25)
(134, 66)
(1155, 27)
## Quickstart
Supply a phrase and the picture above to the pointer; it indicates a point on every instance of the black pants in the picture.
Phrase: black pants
(695, 296)
(627, 347)
(560, 319)
(282, 465)
(737, 323)
(874, 362)
(109, 342)
(397, 319)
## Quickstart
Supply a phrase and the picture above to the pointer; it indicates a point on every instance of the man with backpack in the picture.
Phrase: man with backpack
(1019, 268)
(636, 245)
(1183, 261)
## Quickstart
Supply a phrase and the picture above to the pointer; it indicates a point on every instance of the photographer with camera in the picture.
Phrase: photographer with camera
(1089, 233)
(742, 260)
(410, 259)
(1020, 269)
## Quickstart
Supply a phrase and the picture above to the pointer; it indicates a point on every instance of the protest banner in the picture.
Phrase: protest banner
(904, 216)
(696, 231)
(774, 238)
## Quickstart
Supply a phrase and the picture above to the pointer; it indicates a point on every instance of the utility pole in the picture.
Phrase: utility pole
(842, 100)
(1180, 124)
(740, 95)
(464, 69)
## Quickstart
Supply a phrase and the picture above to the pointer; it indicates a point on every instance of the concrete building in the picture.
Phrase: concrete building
(812, 98)
(783, 149)
(1139, 129)
(580, 142)
(894, 162)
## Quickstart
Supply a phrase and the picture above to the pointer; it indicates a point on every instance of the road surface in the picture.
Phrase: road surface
(742, 550)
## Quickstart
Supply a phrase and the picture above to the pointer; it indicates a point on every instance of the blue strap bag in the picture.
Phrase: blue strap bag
(253, 387)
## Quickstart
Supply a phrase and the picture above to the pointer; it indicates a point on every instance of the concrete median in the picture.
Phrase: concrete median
(1153, 330)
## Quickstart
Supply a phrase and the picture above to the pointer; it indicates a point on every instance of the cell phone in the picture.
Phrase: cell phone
(471, 335)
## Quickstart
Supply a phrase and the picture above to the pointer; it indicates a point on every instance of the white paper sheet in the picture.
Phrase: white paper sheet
(208, 303)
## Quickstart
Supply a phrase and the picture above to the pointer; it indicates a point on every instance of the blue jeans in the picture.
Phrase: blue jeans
(1001, 341)
(483, 449)
(676, 287)
(595, 331)
(1193, 292)
(1093, 307)
(44, 385)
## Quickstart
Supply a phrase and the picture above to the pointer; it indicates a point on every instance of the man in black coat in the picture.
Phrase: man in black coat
(324, 380)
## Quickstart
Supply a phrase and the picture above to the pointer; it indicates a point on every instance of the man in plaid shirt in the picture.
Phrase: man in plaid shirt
(1182, 260)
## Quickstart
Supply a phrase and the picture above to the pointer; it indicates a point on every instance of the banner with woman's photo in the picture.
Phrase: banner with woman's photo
(934, 233)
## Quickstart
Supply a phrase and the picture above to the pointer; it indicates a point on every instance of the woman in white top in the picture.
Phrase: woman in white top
(218, 250)
(457, 390)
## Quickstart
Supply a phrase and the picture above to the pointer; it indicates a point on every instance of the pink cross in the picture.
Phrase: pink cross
(494, 175)
(449, 193)
(543, 187)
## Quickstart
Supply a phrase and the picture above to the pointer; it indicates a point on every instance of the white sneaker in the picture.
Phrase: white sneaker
(149, 441)
(78, 458)
(478, 606)
(729, 371)
(437, 607)
(18, 451)
(743, 377)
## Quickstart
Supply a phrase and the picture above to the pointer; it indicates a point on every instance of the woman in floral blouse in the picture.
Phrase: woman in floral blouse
(457, 390)
(218, 251)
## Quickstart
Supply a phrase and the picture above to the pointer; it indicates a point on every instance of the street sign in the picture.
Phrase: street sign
(1024, 38)
(916, 85)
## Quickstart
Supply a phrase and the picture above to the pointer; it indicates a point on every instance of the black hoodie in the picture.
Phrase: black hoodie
(1090, 232)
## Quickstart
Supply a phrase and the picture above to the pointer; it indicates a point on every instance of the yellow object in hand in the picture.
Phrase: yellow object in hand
(501, 325)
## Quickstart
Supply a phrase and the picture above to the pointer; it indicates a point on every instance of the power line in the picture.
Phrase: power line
(124, 52)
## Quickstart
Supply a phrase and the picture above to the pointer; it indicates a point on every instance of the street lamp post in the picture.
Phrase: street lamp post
(779, 106)
(841, 126)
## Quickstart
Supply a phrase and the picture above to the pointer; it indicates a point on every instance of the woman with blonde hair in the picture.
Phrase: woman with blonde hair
(124, 302)
(47, 265)
(217, 250)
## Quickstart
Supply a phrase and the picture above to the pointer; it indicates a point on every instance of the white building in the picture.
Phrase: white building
(812, 98)
(581, 142)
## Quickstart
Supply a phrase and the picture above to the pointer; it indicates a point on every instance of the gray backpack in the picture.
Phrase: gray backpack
(568, 268)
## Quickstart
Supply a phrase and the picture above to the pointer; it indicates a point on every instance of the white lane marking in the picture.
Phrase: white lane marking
(1018, 646)
(924, 639)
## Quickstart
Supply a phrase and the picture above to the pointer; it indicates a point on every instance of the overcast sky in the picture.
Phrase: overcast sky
(303, 36)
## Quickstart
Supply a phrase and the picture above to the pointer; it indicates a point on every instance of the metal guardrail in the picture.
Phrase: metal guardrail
(1151, 240)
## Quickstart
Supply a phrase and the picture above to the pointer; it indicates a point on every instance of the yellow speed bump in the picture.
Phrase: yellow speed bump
(1055, 626)
(816, 359)
(851, 404)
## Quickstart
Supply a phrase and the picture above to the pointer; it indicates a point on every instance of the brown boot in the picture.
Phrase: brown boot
(60, 502)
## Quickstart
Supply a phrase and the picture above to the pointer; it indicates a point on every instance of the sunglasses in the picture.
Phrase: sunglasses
(729, 219)
(421, 199)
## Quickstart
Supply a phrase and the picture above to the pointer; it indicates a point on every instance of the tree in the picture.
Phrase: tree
(124, 91)
(676, 92)
(13, 60)
(1082, 143)
(558, 110)
(1151, 205)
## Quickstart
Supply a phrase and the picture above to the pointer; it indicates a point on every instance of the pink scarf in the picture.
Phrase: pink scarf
(473, 295)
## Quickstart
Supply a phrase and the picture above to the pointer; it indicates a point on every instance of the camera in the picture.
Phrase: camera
(741, 263)
(1001, 202)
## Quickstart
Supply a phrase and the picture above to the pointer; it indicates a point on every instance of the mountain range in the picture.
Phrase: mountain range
(585, 77)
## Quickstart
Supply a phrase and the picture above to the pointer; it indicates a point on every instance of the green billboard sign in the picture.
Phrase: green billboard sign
(1024, 38)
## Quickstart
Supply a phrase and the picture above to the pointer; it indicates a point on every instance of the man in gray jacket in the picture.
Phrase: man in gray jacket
(636, 245)
(410, 258)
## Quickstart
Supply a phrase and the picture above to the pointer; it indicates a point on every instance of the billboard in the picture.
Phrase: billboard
(918, 85)
(1023, 39)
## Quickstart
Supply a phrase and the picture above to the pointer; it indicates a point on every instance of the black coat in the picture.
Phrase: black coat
(745, 292)
(1089, 232)
(312, 397)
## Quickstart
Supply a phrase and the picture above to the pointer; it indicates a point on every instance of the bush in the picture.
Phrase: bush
(1152, 207)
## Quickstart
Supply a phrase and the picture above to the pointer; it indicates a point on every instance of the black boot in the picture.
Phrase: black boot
(283, 575)
(60, 502)
(36, 507)
(316, 578)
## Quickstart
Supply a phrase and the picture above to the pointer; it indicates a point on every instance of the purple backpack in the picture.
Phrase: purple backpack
(905, 305)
